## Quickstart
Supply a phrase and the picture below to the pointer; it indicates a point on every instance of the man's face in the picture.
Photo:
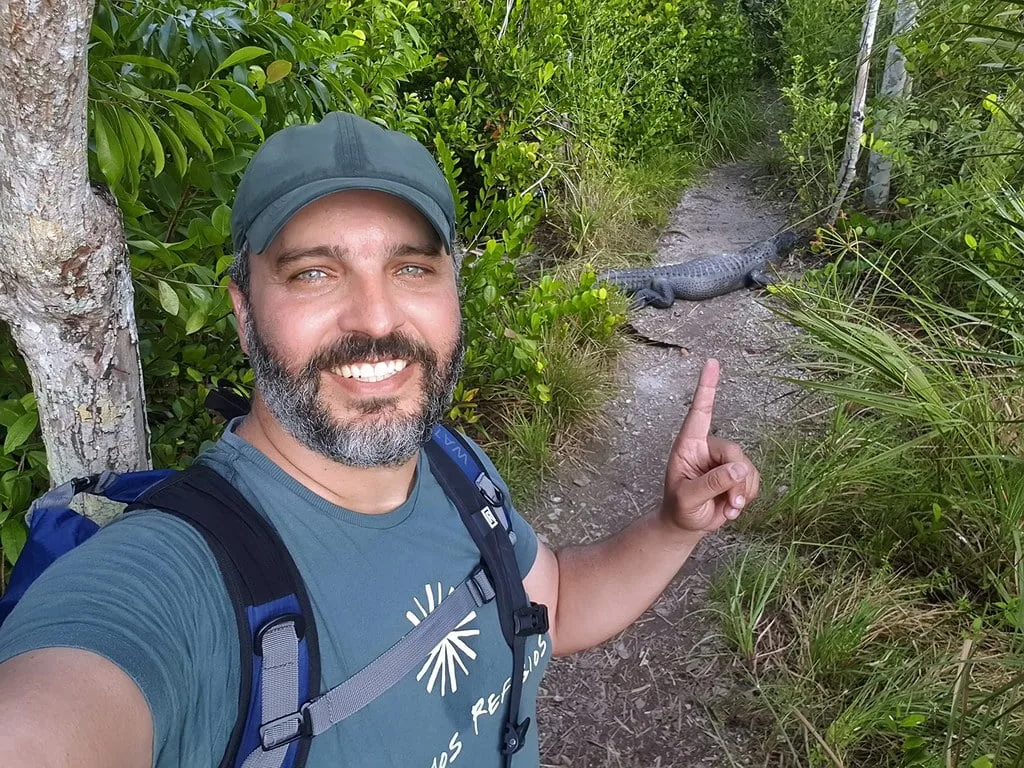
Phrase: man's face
(353, 329)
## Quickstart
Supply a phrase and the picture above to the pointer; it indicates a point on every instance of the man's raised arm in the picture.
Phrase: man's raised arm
(594, 592)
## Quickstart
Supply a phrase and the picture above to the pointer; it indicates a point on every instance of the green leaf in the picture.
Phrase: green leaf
(20, 430)
(156, 149)
(278, 70)
(241, 56)
(10, 413)
(145, 61)
(12, 539)
(168, 298)
(985, 761)
(108, 149)
(166, 34)
(237, 110)
(191, 129)
(174, 143)
(911, 721)
(196, 103)
(20, 491)
(221, 219)
(100, 34)
(971, 241)
(195, 321)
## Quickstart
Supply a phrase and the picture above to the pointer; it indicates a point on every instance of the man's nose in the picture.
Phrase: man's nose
(373, 308)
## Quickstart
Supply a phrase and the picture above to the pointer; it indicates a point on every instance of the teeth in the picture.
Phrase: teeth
(372, 372)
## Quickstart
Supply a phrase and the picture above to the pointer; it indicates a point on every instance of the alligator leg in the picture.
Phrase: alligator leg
(760, 279)
(658, 293)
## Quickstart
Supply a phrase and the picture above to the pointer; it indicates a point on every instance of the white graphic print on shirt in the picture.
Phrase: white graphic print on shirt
(448, 655)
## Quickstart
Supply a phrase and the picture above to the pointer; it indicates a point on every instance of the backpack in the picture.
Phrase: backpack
(280, 705)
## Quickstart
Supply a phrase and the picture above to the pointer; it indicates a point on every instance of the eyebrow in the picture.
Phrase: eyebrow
(291, 255)
(429, 249)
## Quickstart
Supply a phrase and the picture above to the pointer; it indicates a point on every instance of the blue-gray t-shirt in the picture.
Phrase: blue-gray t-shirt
(147, 594)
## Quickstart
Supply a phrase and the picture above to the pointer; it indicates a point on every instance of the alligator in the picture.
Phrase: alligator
(704, 277)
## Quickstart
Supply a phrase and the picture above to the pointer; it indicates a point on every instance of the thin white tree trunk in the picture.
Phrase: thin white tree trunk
(848, 168)
(65, 281)
(896, 83)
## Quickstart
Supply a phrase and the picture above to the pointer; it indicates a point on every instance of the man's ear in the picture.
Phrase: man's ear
(241, 308)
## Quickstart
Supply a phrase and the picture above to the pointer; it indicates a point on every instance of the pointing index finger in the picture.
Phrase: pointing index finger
(697, 424)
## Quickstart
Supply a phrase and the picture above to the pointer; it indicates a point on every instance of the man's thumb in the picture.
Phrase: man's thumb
(713, 483)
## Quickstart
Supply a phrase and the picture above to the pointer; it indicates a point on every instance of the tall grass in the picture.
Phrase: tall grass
(884, 618)
(881, 611)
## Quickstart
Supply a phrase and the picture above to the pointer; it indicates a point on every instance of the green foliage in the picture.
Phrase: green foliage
(960, 127)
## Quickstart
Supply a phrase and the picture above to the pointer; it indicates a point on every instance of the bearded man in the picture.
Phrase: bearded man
(345, 288)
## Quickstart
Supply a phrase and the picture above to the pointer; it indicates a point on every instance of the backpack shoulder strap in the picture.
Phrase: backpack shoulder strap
(280, 660)
(481, 507)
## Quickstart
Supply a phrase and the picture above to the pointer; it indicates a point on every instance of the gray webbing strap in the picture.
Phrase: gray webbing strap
(282, 724)
(61, 496)
(280, 691)
(57, 498)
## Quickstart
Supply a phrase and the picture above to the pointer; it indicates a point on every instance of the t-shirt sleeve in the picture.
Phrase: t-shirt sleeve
(526, 538)
(146, 593)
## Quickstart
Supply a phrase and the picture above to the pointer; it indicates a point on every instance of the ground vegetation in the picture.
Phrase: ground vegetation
(879, 608)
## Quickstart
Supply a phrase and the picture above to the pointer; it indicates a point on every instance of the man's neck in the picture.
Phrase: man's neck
(370, 491)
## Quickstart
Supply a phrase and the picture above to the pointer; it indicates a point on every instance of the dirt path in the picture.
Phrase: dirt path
(664, 693)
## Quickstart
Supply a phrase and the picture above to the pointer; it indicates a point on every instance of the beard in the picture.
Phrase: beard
(381, 436)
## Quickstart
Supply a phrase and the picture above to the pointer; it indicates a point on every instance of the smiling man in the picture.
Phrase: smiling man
(345, 287)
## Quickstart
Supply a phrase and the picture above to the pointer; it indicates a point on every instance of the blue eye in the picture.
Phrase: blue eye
(309, 275)
(411, 269)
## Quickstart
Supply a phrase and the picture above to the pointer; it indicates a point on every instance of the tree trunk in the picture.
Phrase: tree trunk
(895, 87)
(65, 280)
(848, 168)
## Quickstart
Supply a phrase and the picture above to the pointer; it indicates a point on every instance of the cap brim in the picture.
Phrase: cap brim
(271, 220)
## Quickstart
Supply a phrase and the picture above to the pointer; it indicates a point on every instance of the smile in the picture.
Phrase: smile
(371, 372)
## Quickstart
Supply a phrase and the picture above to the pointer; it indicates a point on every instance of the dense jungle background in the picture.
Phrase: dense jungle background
(877, 607)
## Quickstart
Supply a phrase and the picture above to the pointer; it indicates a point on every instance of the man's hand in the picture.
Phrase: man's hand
(708, 480)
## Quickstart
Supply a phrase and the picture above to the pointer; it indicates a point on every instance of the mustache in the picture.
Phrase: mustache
(360, 348)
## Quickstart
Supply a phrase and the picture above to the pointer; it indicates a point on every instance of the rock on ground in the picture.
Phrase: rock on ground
(666, 692)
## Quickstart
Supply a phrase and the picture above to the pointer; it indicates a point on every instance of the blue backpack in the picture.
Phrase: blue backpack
(280, 706)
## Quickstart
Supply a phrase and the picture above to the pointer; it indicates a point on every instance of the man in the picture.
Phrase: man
(124, 653)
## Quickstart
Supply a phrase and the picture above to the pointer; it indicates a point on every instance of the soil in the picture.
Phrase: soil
(667, 692)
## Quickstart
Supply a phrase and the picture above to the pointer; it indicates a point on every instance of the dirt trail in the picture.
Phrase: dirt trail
(664, 693)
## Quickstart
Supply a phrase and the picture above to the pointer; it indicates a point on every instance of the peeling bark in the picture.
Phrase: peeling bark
(65, 279)
(848, 168)
(895, 87)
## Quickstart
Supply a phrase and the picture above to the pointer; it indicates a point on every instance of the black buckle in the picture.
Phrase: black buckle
(532, 620)
(293, 618)
(300, 726)
(83, 484)
(514, 737)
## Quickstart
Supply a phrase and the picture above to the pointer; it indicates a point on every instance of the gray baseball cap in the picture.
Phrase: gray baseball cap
(302, 163)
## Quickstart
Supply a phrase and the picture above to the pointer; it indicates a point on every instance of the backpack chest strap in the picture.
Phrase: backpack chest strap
(366, 685)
